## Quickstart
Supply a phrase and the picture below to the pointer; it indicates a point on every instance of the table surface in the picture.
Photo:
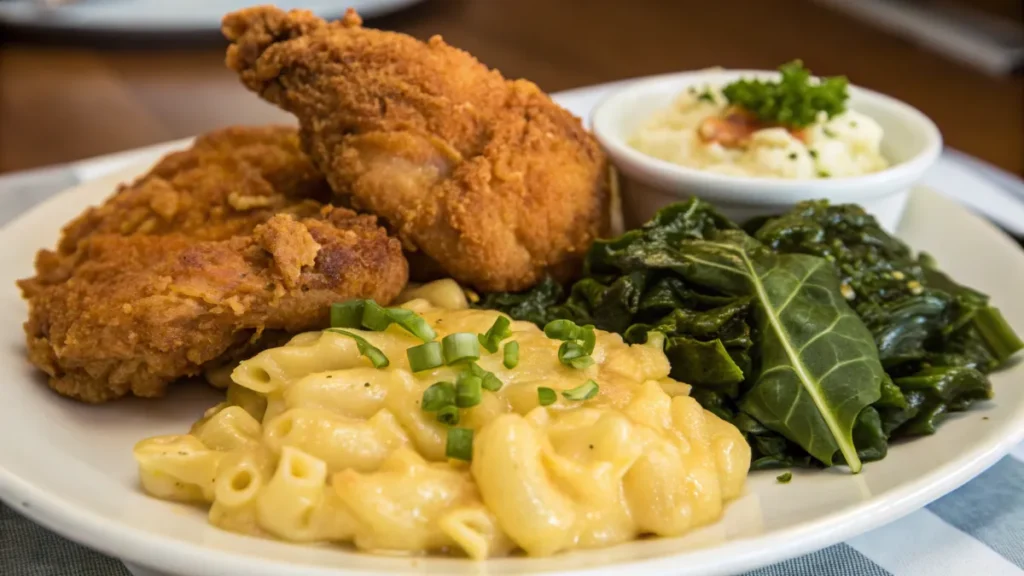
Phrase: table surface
(61, 102)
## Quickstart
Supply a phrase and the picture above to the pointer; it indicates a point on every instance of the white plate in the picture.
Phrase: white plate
(167, 15)
(69, 467)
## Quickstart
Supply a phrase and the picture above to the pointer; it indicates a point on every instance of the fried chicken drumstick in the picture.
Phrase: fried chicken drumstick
(487, 177)
(125, 307)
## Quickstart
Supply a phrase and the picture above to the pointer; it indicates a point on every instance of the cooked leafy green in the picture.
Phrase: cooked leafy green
(795, 100)
(936, 338)
(817, 334)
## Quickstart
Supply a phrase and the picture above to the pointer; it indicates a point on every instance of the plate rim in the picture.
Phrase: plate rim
(121, 540)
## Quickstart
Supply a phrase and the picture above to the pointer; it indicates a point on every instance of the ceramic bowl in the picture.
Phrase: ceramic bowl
(911, 144)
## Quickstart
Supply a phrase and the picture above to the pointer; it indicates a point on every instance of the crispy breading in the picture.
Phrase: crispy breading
(488, 177)
(191, 264)
(228, 182)
(139, 312)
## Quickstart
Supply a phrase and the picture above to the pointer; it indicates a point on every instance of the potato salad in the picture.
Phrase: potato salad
(741, 132)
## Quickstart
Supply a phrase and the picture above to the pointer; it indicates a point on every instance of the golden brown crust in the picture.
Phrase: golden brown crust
(488, 177)
(194, 260)
(228, 182)
(141, 311)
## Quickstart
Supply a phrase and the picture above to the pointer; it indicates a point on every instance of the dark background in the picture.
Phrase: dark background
(63, 99)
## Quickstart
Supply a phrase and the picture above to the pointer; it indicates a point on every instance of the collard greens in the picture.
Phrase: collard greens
(816, 333)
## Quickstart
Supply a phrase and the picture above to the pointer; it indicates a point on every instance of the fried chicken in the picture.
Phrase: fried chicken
(140, 311)
(485, 176)
(227, 183)
(197, 262)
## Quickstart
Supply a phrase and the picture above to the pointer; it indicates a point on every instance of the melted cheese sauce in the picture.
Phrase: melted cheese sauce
(314, 444)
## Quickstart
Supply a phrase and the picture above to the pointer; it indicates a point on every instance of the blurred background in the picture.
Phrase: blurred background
(80, 78)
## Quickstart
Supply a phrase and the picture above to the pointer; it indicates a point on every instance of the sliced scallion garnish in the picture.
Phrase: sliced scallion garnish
(488, 380)
(347, 314)
(578, 342)
(425, 356)
(575, 355)
(511, 355)
(448, 415)
(377, 358)
(492, 382)
(561, 330)
(375, 317)
(495, 334)
(413, 323)
(546, 396)
(437, 396)
(588, 337)
(584, 391)
(459, 444)
(468, 391)
(460, 347)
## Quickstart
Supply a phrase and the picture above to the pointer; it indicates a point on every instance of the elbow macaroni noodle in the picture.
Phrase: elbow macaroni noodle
(313, 444)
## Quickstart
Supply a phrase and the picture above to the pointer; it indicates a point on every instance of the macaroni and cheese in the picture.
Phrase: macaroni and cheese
(315, 444)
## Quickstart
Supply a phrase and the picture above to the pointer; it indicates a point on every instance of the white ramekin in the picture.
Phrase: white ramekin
(911, 143)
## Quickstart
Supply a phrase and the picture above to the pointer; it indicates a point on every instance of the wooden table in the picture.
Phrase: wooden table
(60, 103)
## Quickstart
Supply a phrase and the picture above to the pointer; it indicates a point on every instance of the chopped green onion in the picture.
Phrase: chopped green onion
(460, 347)
(573, 354)
(488, 380)
(459, 444)
(413, 323)
(492, 382)
(448, 415)
(437, 396)
(495, 334)
(372, 316)
(347, 314)
(582, 363)
(425, 356)
(546, 396)
(468, 391)
(589, 338)
(511, 352)
(561, 330)
(784, 478)
(377, 358)
(584, 391)
(578, 342)
(375, 317)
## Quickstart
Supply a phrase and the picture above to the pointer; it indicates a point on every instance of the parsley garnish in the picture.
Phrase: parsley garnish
(793, 101)
(706, 96)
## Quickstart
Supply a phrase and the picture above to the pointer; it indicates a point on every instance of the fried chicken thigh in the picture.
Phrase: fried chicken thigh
(487, 177)
(191, 264)
(139, 312)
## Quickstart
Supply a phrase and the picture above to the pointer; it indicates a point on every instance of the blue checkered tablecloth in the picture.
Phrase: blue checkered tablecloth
(978, 530)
